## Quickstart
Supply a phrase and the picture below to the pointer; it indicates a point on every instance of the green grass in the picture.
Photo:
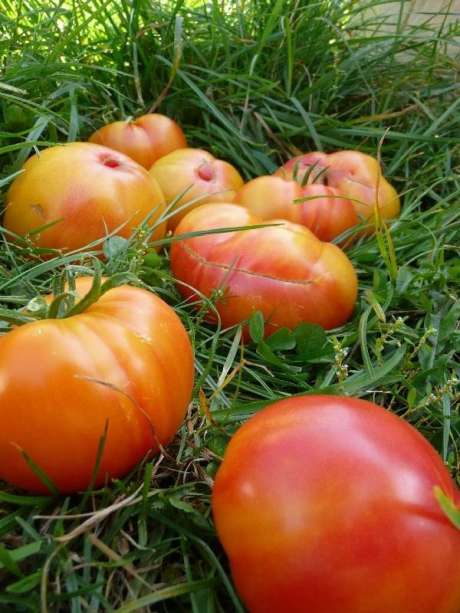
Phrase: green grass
(254, 82)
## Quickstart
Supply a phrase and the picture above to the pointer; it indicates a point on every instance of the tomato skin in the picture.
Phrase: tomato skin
(354, 175)
(145, 139)
(126, 361)
(283, 271)
(325, 504)
(322, 211)
(88, 189)
(206, 178)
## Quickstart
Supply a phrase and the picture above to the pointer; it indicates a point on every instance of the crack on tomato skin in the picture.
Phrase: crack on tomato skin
(230, 269)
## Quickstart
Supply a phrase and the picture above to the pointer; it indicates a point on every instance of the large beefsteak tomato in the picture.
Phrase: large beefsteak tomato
(282, 270)
(125, 362)
(325, 505)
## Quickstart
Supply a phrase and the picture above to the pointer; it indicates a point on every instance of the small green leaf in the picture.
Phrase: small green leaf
(256, 326)
(264, 350)
(411, 397)
(281, 340)
(153, 260)
(311, 341)
(114, 246)
(217, 443)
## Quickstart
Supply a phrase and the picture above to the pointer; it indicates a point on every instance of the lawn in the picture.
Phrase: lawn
(255, 82)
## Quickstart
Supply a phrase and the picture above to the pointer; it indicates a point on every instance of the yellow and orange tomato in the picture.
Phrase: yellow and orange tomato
(124, 363)
(88, 190)
(284, 270)
(319, 208)
(326, 504)
(191, 177)
(352, 175)
(145, 139)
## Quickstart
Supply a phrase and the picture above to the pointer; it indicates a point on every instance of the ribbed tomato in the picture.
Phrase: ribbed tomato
(198, 176)
(283, 271)
(88, 190)
(318, 207)
(353, 175)
(325, 505)
(145, 139)
(125, 362)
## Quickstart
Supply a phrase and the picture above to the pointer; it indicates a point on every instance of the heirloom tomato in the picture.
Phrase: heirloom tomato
(145, 139)
(318, 207)
(351, 174)
(124, 364)
(197, 177)
(88, 190)
(326, 504)
(283, 270)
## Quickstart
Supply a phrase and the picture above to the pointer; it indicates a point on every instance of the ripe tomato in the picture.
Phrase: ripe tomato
(88, 190)
(353, 175)
(198, 173)
(317, 207)
(283, 271)
(126, 362)
(325, 504)
(145, 139)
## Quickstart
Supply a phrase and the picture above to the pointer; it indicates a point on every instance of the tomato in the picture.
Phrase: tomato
(283, 271)
(325, 505)
(88, 190)
(353, 175)
(145, 139)
(318, 207)
(126, 362)
(200, 175)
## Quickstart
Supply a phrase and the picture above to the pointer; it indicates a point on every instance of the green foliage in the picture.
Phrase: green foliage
(255, 82)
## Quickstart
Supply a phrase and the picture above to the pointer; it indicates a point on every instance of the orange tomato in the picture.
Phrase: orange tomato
(317, 207)
(88, 190)
(125, 362)
(198, 173)
(145, 139)
(325, 504)
(353, 175)
(283, 271)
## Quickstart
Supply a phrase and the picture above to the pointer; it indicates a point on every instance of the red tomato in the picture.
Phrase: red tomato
(283, 271)
(325, 505)
(198, 173)
(88, 190)
(353, 175)
(126, 362)
(317, 207)
(145, 139)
